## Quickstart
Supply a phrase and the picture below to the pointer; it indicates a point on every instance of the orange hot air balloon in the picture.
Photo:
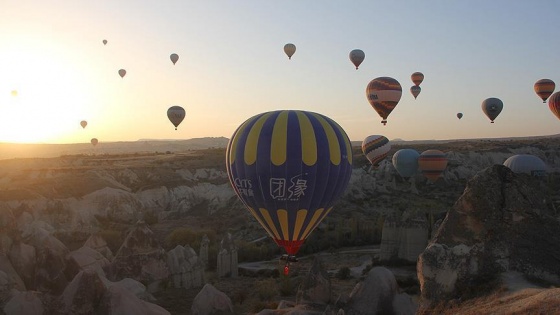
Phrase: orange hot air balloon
(432, 163)
(543, 88)
(83, 123)
(415, 90)
(383, 94)
(417, 78)
(290, 50)
(174, 58)
(554, 104)
(122, 73)
(94, 141)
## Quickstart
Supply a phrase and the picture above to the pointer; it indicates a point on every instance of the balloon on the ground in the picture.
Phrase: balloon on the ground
(176, 114)
(376, 148)
(383, 94)
(415, 90)
(405, 162)
(122, 73)
(290, 49)
(554, 104)
(492, 107)
(289, 167)
(544, 88)
(526, 163)
(417, 78)
(432, 164)
(174, 58)
(83, 123)
(459, 115)
(357, 56)
(94, 141)
(104, 42)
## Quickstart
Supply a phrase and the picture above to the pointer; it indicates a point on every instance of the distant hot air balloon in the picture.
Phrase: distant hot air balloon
(554, 104)
(432, 163)
(415, 90)
(94, 141)
(122, 73)
(357, 56)
(492, 107)
(526, 163)
(383, 94)
(289, 167)
(83, 123)
(176, 114)
(459, 115)
(290, 49)
(417, 78)
(174, 58)
(14, 93)
(543, 88)
(405, 162)
(376, 148)
(104, 42)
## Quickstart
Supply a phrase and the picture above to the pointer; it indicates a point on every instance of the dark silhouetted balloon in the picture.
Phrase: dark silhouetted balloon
(543, 88)
(415, 90)
(83, 123)
(174, 58)
(176, 114)
(122, 73)
(459, 115)
(104, 42)
(356, 57)
(289, 167)
(383, 94)
(290, 49)
(492, 107)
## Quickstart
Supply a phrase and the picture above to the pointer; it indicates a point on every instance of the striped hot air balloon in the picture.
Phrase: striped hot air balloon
(383, 94)
(289, 167)
(376, 148)
(417, 78)
(554, 104)
(415, 90)
(543, 88)
(432, 163)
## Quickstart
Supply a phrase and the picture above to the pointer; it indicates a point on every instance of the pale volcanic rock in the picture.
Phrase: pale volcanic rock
(24, 259)
(211, 301)
(13, 277)
(373, 295)
(187, 270)
(25, 303)
(97, 243)
(316, 286)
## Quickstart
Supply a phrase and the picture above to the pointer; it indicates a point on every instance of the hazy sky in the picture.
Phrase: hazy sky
(232, 66)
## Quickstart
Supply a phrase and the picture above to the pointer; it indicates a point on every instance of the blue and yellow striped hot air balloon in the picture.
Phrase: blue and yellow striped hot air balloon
(289, 167)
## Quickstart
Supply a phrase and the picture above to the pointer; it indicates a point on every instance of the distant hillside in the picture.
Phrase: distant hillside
(18, 150)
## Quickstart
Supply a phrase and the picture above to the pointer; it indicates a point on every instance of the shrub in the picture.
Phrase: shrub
(266, 289)
(343, 273)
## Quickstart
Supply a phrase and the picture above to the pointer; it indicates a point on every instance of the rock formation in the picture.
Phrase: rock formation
(187, 271)
(227, 258)
(403, 238)
(211, 301)
(203, 252)
(316, 286)
(500, 223)
(97, 243)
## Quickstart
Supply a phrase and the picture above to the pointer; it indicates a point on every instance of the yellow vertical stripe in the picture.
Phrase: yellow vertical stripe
(334, 147)
(300, 219)
(311, 223)
(235, 140)
(279, 141)
(283, 219)
(256, 216)
(270, 223)
(308, 141)
(250, 153)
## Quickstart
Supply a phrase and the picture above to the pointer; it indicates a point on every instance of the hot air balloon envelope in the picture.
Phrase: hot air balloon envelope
(526, 163)
(176, 114)
(459, 115)
(94, 141)
(415, 90)
(356, 57)
(104, 42)
(405, 162)
(492, 107)
(289, 167)
(543, 88)
(122, 73)
(383, 94)
(83, 123)
(432, 163)
(417, 78)
(376, 148)
(290, 49)
(554, 104)
(174, 58)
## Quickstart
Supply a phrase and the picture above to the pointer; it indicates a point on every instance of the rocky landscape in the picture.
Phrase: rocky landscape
(122, 232)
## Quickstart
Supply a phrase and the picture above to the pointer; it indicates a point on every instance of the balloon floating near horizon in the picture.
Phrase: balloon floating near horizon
(289, 167)
(554, 104)
(176, 114)
(543, 88)
(94, 141)
(104, 42)
(405, 162)
(417, 78)
(383, 94)
(415, 90)
(492, 107)
(376, 148)
(459, 115)
(122, 73)
(432, 163)
(290, 50)
(83, 123)
(526, 163)
(174, 58)
(357, 56)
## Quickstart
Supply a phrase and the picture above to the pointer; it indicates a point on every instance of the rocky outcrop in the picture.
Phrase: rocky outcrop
(97, 243)
(211, 301)
(227, 265)
(24, 261)
(499, 224)
(142, 258)
(315, 288)
(404, 238)
(187, 270)
(203, 252)
(25, 303)
(86, 258)
(374, 295)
